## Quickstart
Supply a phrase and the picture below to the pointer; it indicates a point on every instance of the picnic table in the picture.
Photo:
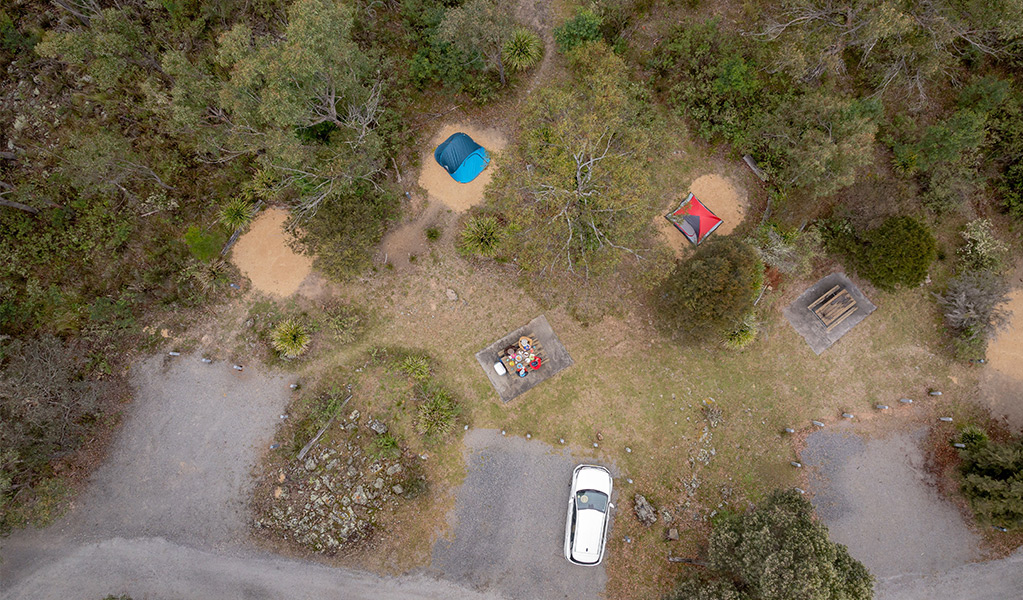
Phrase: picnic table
(523, 357)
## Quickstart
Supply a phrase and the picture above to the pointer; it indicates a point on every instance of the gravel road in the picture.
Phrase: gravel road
(165, 515)
(510, 522)
(875, 497)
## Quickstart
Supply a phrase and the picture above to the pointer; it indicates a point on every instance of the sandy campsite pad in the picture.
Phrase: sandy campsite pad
(1002, 384)
(439, 184)
(719, 195)
(263, 255)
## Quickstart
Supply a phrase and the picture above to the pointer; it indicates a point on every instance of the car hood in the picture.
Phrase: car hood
(588, 533)
(593, 479)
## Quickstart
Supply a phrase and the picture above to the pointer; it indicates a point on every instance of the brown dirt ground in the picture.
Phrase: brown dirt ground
(438, 183)
(718, 193)
(263, 255)
(1002, 384)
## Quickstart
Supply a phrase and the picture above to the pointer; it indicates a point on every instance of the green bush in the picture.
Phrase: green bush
(1012, 189)
(993, 482)
(898, 253)
(481, 235)
(523, 51)
(973, 437)
(972, 306)
(204, 245)
(344, 233)
(776, 551)
(583, 27)
(289, 338)
(433, 234)
(712, 291)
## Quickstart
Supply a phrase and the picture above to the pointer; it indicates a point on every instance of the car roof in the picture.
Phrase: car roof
(588, 533)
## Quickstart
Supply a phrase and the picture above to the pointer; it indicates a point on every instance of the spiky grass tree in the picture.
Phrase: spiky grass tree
(481, 235)
(290, 338)
(236, 214)
(523, 50)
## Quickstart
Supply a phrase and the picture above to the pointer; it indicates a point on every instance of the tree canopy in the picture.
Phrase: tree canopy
(778, 551)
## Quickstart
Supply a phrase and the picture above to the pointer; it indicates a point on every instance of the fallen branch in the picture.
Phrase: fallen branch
(305, 449)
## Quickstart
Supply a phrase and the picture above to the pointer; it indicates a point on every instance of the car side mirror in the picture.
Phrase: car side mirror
(611, 504)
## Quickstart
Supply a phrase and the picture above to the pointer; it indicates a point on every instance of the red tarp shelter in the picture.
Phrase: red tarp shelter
(693, 219)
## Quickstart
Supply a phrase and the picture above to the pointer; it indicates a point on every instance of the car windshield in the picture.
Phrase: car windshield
(591, 499)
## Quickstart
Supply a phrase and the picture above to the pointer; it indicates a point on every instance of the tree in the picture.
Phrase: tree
(713, 290)
(778, 551)
(480, 27)
(575, 185)
(899, 252)
(993, 482)
(818, 141)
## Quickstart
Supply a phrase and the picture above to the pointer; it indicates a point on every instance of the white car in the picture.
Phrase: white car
(588, 506)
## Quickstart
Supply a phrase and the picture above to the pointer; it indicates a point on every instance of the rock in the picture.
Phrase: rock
(393, 469)
(452, 296)
(644, 512)
(397, 489)
(354, 416)
(673, 534)
(333, 464)
(250, 322)
(352, 472)
(359, 496)
(349, 427)
(310, 464)
(666, 516)
(377, 426)
(379, 483)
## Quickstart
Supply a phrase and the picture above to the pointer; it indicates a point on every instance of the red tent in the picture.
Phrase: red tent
(693, 219)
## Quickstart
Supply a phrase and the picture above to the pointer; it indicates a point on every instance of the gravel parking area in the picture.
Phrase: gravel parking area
(510, 522)
(876, 498)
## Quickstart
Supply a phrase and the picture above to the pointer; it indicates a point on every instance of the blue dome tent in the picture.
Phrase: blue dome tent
(461, 157)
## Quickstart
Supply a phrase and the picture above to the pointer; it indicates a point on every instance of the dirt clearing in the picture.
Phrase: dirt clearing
(1002, 384)
(438, 183)
(263, 255)
(716, 192)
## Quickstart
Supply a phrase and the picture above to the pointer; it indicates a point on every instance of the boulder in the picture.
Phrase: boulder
(394, 469)
(644, 511)
(673, 534)
(379, 484)
(666, 516)
(359, 496)
(310, 464)
(397, 489)
(377, 426)
(452, 296)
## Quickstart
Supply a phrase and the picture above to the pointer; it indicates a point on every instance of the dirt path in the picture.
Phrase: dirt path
(510, 522)
(166, 516)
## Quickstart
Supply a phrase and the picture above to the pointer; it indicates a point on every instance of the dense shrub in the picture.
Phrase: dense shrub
(898, 253)
(712, 291)
(982, 251)
(777, 551)
(344, 232)
(993, 481)
(46, 410)
(1012, 190)
(971, 306)
(743, 335)
(583, 27)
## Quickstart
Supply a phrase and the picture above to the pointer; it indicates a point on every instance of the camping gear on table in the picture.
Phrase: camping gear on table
(461, 157)
(694, 220)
